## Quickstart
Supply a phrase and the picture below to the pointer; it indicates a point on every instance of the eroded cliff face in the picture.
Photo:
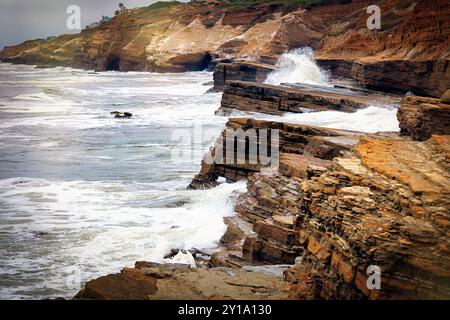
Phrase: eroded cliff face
(410, 52)
(372, 206)
(412, 48)
(343, 202)
(174, 38)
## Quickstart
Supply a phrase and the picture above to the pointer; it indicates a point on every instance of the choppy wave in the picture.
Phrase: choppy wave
(371, 119)
(298, 66)
(98, 227)
(98, 193)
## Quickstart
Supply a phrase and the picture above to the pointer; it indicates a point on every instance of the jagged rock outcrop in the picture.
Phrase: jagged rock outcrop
(312, 144)
(239, 70)
(373, 206)
(276, 100)
(445, 98)
(421, 117)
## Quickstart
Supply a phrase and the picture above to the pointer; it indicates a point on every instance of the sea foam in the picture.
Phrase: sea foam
(298, 66)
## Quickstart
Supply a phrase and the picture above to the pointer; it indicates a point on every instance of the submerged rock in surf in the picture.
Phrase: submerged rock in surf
(118, 114)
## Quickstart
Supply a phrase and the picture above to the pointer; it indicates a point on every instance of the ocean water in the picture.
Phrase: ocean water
(83, 194)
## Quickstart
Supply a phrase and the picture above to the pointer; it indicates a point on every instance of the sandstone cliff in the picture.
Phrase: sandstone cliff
(384, 202)
(171, 37)
(372, 206)
(411, 52)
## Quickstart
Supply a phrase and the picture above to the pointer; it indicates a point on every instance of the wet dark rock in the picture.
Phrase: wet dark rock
(40, 233)
(240, 70)
(118, 114)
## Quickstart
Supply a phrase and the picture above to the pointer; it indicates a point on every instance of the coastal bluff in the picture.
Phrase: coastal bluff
(410, 52)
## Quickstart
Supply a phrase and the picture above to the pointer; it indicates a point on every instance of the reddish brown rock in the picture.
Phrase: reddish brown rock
(276, 100)
(296, 165)
(372, 206)
(130, 284)
(421, 117)
(409, 53)
(446, 97)
(176, 282)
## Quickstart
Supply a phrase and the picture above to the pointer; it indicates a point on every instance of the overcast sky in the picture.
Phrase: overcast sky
(29, 19)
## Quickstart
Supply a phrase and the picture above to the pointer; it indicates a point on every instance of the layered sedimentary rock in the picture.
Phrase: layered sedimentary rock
(239, 70)
(412, 45)
(276, 100)
(410, 52)
(341, 208)
(421, 117)
(428, 77)
(310, 143)
(374, 206)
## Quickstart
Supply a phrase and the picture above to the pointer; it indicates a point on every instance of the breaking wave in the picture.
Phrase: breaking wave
(298, 66)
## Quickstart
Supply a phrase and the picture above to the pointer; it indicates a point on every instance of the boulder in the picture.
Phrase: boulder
(121, 115)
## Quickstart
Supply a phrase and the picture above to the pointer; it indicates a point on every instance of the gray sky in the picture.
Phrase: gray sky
(22, 20)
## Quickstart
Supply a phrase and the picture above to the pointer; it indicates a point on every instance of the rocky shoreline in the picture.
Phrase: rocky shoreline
(340, 202)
